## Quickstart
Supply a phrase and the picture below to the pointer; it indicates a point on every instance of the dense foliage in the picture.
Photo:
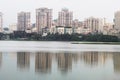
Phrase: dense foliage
(21, 35)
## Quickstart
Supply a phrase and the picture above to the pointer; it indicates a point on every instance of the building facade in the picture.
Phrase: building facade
(117, 20)
(76, 23)
(43, 19)
(94, 24)
(24, 22)
(13, 27)
(1, 21)
(65, 18)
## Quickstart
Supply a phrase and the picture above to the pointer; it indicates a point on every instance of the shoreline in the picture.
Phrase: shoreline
(110, 43)
(72, 42)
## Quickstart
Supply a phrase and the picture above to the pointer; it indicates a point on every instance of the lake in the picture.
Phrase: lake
(34, 60)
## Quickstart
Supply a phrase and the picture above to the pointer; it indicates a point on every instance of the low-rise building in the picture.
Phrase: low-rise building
(68, 30)
(60, 29)
(64, 30)
(81, 30)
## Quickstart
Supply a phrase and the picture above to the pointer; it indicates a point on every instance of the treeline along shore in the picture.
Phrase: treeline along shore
(21, 35)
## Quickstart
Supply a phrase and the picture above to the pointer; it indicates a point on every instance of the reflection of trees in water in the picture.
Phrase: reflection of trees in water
(64, 61)
(116, 62)
(43, 62)
(23, 60)
(0, 59)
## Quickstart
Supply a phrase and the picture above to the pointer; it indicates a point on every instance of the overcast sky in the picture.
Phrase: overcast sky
(81, 8)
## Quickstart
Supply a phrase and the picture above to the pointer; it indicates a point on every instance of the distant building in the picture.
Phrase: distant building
(81, 30)
(117, 23)
(43, 19)
(65, 18)
(1, 21)
(24, 23)
(107, 28)
(76, 23)
(117, 20)
(12, 27)
(94, 24)
(68, 30)
(53, 27)
(64, 30)
(60, 29)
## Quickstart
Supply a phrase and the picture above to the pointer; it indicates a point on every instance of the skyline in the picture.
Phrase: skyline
(81, 8)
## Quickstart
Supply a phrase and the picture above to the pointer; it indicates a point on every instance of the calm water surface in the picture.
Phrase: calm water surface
(58, 61)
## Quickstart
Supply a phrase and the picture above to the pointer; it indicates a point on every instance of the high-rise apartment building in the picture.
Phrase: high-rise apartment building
(24, 22)
(94, 24)
(65, 18)
(117, 21)
(43, 19)
(1, 22)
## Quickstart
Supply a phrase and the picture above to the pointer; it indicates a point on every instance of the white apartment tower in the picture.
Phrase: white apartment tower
(117, 21)
(43, 19)
(65, 18)
(23, 21)
(1, 22)
(94, 24)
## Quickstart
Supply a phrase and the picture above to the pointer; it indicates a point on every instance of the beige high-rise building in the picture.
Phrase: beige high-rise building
(24, 22)
(94, 24)
(1, 22)
(65, 18)
(117, 21)
(43, 19)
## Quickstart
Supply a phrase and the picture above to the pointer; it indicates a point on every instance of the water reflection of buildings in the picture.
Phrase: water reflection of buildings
(116, 62)
(76, 57)
(0, 59)
(23, 60)
(90, 58)
(64, 61)
(43, 62)
(94, 58)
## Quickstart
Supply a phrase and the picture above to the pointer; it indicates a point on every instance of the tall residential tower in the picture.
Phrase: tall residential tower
(117, 21)
(94, 24)
(1, 22)
(43, 19)
(24, 23)
(65, 18)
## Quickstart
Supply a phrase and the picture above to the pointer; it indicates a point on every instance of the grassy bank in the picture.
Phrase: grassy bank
(110, 43)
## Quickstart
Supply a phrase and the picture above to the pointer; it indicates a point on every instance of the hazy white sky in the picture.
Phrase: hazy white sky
(81, 8)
